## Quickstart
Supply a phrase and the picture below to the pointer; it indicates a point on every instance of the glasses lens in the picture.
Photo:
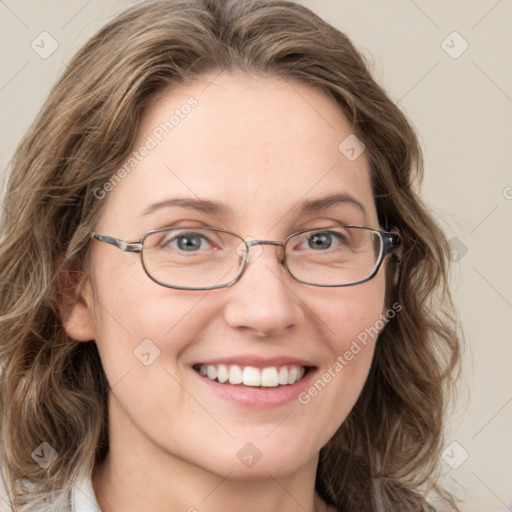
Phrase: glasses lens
(193, 257)
(333, 256)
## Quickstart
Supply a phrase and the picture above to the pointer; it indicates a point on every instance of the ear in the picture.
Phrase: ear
(76, 310)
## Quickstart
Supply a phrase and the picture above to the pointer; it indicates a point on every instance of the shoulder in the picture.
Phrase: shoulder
(81, 499)
(4, 499)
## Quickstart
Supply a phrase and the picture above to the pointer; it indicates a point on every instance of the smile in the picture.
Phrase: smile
(270, 377)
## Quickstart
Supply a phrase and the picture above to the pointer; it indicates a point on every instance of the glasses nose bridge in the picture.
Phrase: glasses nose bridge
(252, 243)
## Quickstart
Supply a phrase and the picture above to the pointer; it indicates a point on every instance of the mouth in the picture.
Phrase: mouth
(265, 377)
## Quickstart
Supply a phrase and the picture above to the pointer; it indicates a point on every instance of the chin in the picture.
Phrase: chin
(261, 459)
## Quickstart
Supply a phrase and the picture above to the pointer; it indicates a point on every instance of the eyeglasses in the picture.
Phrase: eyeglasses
(191, 258)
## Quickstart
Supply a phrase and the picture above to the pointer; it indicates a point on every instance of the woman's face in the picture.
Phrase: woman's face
(262, 148)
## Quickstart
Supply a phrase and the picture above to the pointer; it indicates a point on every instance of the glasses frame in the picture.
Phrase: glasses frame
(389, 242)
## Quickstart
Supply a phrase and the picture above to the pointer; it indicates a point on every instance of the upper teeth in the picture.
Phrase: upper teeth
(269, 377)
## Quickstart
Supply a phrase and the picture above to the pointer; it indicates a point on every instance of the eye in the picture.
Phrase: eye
(322, 240)
(187, 242)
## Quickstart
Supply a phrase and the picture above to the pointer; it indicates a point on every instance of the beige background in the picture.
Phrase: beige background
(462, 108)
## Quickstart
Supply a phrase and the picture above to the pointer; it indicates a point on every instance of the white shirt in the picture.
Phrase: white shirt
(83, 498)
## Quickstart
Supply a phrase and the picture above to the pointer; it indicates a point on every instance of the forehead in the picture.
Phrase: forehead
(259, 145)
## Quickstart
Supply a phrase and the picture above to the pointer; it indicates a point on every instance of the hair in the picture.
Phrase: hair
(385, 455)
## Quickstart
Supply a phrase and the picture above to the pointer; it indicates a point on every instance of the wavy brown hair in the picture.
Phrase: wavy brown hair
(385, 456)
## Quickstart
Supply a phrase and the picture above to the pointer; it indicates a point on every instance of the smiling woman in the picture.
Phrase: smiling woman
(242, 317)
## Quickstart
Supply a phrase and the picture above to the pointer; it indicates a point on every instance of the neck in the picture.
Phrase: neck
(139, 476)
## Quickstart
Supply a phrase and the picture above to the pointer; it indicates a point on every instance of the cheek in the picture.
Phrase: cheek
(133, 316)
(142, 331)
(130, 317)
(352, 319)
(354, 314)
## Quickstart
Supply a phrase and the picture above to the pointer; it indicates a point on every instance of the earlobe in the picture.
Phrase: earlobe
(76, 306)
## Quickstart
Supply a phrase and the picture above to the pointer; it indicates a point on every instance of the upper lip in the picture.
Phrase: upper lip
(256, 361)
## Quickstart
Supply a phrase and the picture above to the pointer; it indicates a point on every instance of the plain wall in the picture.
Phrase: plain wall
(461, 106)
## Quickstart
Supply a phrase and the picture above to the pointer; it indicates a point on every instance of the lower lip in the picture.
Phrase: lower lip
(258, 397)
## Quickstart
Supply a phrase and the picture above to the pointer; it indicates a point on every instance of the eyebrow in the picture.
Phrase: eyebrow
(206, 206)
(323, 203)
(223, 210)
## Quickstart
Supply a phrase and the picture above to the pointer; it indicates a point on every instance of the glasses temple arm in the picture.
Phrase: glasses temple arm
(120, 244)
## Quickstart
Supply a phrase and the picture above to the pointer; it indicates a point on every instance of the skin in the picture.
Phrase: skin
(260, 145)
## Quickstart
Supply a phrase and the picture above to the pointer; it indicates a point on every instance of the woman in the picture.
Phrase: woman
(282, 338)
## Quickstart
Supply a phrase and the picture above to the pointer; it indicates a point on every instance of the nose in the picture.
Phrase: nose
(264, 300)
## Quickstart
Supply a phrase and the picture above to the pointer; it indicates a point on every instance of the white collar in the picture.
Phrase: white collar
(84, 499)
